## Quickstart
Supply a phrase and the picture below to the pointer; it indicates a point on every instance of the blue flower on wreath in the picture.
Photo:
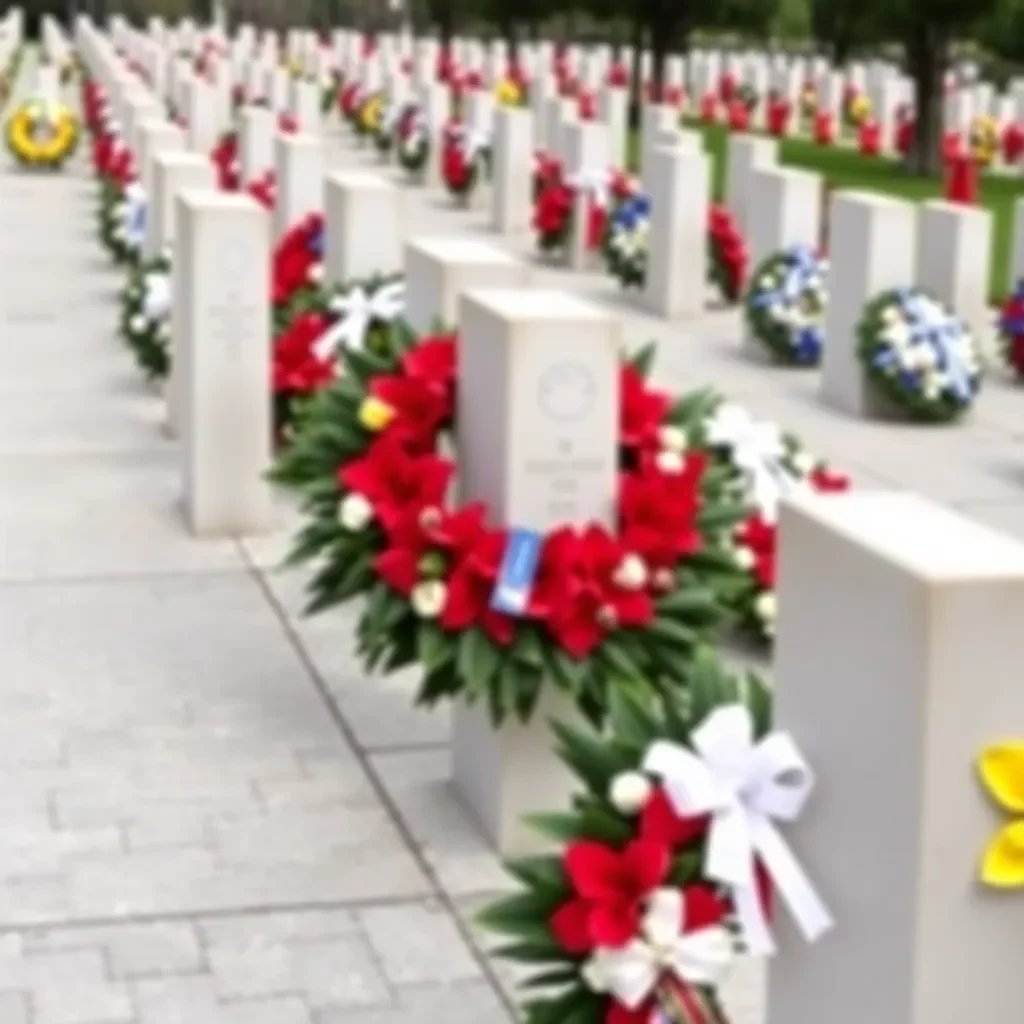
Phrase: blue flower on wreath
(316, 242)
(928, 323)
(802, 267)
(631, 213)
(1011, 319)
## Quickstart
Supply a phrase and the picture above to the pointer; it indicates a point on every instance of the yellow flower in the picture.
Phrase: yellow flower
(375, 415)
(507, 93)
(1002, 774)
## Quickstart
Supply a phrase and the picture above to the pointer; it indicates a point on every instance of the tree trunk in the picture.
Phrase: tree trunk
(510, 32)
(444, 19)
(636, 42)
(927, 52)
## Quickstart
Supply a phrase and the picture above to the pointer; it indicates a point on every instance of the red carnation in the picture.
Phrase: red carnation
(420, 409)
(433, 361)
(395, 481)
(609, 888)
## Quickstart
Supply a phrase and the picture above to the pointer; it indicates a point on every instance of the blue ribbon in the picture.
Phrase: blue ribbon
(1014, 325)
(316, 243)
(629, 215)
(939, 332)
(135, 228)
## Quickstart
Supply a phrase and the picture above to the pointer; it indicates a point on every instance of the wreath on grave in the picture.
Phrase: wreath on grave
(387, 126)
(465, 156)
(412, 140)
(225, 159)
(94, 105)
(121, 219)
(297, 270)
(625, 246)
(330, 89)
(856, 108)
(763, 464)
(370, 115)
(918, 356)
(547, 170)
(1011, 330)
(748, 97)
(145, 320)
(636, 918)
(350, 99)
(785, 306)
(984, 139)
(42, 135)
(606, 610)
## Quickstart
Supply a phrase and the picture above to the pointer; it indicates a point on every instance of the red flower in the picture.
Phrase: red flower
(294, 257)
(471, 583)
(264, 190)
(552, 212)
(454, 167)
(420, 409)
(577, 594)
(422, 531)
(225, 160)
(433, 361)
(396, 482)
(297, 369)
(658, 513)
(760, 536)
(828, 481)
(660, 824)
(587, 106)
(287, 124)
(642, 410)
(609, 888)
(618, 76)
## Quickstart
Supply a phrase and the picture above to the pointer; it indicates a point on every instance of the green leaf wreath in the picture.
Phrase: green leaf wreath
(579, 947)
(427, 594)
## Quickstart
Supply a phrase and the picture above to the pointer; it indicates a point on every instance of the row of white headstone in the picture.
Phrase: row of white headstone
(899, 638)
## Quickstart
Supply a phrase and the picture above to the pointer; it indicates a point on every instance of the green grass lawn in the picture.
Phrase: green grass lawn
(845, 168)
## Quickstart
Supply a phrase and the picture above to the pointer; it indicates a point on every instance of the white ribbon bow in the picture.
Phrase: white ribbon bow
(156, 302)
(356, 311)
(631, 974)
(474, 141)
(594, 182)
(745, 787)
(757, 449)
(133, 215)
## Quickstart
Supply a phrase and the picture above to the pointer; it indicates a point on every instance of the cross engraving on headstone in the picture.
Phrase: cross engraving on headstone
(232, 317)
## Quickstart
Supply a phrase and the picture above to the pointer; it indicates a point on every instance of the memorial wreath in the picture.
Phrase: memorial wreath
(413, 141)
(764, 465)
(1011, 330)
(918, 356)
(297, 270)
(465, 157)
(785, 306)
(607, 608)
(145, 321)
(664, 871)
(42, 134)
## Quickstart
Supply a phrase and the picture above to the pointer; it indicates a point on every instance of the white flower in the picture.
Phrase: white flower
(594, 977)
(631, 573)
(768, 281)
(316, 273)
(672, 439)
(890, 316)
(428, 598)
(670, 462)
(744, 557)
(355, 513)
(629, 792)
(766, 608)
(802, 462)
(137, 324)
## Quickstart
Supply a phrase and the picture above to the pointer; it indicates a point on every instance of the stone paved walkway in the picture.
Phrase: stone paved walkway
(209, 815)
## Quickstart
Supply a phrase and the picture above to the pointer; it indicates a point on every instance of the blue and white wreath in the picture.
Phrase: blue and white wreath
(785, 306)
(919, 357)
(627, 241)
(146, 315)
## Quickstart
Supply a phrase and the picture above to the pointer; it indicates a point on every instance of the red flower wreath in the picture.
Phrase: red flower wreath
(226, 163)
(297, 261)
(728, 251)
(458, 171)
(553, 213)
(264, 190)
(602, 602)
(350, 99)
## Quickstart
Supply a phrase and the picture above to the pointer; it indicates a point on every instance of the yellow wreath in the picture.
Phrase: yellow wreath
(508, 94)
(41, 134)
(984, 139)
(372, 114)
